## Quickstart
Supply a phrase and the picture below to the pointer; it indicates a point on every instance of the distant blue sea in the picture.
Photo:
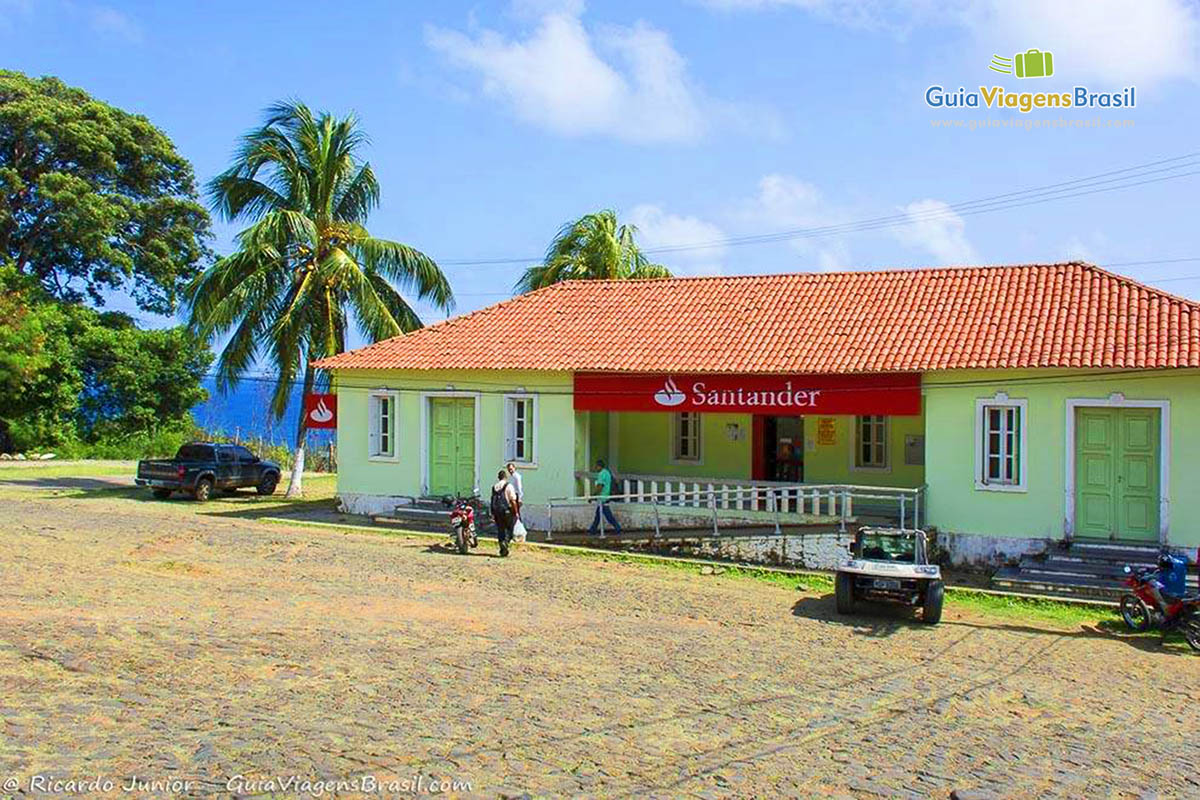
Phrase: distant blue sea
(245, 412)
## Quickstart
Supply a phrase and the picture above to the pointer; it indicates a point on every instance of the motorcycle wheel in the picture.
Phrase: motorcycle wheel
(1190, 628)
(460, 539)
(1135, 613)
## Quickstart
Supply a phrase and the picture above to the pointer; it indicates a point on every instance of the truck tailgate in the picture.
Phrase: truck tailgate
(158, 470)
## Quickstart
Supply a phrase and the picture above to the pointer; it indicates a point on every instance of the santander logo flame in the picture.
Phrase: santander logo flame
(321, 413)
(669, 395)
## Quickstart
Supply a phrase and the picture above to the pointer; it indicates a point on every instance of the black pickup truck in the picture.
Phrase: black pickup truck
(201, 467)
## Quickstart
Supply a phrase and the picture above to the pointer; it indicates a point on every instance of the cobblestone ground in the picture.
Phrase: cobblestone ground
(136, 640)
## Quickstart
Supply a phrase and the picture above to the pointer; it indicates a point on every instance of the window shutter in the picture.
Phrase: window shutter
(373, 426)
(510, 424)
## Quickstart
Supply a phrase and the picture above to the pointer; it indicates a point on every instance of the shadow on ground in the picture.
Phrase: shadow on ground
(50, 483)
(880, 620)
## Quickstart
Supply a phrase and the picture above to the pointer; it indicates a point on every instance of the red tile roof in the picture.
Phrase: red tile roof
(1052, 315)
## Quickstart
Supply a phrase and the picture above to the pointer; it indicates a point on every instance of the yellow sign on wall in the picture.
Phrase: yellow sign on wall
(826, 431)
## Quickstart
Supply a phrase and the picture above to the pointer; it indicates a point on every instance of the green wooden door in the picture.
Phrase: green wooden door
(1116, 473)
(451, 445)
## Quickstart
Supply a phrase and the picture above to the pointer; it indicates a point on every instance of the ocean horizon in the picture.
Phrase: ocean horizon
(245, 413)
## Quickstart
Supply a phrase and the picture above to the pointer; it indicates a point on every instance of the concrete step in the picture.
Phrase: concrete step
(1115, 552)
(1015, 579)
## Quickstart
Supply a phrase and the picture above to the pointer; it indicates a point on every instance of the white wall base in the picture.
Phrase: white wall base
(370, 504)
(975, 550)
(812, 551)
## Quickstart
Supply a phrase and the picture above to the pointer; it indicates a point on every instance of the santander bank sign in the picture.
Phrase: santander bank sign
(895, 394)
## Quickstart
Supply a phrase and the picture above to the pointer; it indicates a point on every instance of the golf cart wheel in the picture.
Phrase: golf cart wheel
(935, 596)
(162, 494)
(843, 591)
(203, 490)
(267, 485)
(1135, 613)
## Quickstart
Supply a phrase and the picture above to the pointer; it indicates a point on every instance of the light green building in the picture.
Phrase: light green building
(1008, 406)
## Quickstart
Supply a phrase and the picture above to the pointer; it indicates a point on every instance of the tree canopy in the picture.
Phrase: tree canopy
(594, 247)
(71, 376)
(94, 198)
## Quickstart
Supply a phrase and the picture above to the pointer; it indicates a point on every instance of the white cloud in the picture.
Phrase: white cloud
(625, 82)
(1122, 41)
(111, 22)
(935, 228)
(1118, 41)
(785, 203)
(657, 228)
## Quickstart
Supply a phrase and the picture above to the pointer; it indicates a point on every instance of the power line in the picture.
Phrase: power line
(1129, 177)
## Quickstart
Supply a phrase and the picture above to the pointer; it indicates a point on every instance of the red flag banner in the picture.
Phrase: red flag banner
(320, 410)
(897, 394)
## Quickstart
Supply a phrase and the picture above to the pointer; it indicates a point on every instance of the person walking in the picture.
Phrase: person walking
(514, 478)
(503, 508)
(604, 482)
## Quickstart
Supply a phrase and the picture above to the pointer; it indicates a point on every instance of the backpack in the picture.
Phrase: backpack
(500, 504)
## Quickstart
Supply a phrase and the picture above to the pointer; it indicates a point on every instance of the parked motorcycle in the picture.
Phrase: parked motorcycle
(462, 523)
(1142, 612)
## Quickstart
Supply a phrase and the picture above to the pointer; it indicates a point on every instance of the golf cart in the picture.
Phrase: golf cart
(892, 565)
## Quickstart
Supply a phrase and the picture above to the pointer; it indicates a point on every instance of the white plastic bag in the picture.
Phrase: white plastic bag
(519, 531)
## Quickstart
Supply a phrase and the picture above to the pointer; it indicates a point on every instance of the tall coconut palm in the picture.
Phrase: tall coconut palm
(596, 246)
(306, 264)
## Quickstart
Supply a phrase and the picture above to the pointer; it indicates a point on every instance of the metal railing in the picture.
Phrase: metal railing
(754, 503)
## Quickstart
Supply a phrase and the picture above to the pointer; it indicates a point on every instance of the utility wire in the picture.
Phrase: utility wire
(1112, 180)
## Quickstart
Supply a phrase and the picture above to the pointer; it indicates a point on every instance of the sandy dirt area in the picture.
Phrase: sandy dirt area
(141, 639)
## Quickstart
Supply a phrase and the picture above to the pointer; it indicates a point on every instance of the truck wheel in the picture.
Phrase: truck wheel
(267, 485)
(203, 491)
(935, 595)
(162, 494)
(843, 592)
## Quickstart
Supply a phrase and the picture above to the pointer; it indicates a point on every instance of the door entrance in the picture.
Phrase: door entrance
(451, 446)
(1116, 473)
(782, 449)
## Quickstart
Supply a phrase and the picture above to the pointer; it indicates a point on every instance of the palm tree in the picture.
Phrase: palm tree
(594, 247)
(306, 263)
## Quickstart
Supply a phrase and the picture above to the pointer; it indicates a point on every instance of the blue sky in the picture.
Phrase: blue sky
(494, 123)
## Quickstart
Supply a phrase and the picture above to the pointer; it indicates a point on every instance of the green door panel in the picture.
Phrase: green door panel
(1138, 479)
(1116, 473)
(1094, 479)
(451, 445)
(464, 446)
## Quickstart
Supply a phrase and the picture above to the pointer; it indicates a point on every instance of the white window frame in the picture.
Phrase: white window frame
(885, 442)
(1021, 406)
(374, 451)
(531, 427)
(697, 436)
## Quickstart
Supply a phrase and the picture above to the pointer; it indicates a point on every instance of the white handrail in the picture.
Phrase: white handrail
(775, 497)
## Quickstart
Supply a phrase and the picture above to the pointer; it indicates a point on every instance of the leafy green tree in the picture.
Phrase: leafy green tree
(306, 264)
(93, 198)
(39, 381)
(594, 247)
(136, 382)
(71, 375)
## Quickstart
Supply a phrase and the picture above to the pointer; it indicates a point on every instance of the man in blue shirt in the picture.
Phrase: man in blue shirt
(604, 482)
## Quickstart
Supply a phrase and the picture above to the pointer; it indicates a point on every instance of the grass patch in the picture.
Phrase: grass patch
(22, 470)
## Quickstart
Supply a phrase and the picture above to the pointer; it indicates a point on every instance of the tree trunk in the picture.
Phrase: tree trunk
(296, 483)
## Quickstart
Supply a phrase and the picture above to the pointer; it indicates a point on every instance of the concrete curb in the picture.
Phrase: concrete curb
(700, 562)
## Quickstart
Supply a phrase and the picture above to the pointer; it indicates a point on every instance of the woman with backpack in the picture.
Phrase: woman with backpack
(504, 510)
